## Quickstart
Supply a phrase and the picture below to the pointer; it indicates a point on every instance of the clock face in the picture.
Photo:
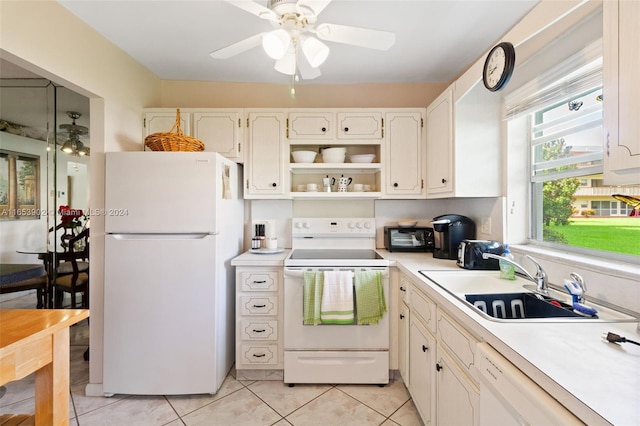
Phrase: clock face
(498, 66)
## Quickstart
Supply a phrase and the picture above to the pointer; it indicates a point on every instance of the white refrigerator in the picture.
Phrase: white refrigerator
(173, 222)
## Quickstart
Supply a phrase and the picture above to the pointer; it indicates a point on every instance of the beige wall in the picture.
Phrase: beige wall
(194, 94)
(45, 38)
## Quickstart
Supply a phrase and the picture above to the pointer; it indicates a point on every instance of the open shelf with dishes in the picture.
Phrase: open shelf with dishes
(363, 177)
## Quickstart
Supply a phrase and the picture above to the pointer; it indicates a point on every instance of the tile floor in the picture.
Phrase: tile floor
(251, 403)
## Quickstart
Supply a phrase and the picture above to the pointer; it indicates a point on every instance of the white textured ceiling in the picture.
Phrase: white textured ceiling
(435, 40)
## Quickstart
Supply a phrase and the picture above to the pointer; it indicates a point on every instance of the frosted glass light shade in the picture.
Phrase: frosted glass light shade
(67, 147)
(276, 43)
(314, 50)
(287, 65)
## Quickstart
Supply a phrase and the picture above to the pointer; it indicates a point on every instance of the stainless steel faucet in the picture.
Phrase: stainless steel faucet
(540, 278)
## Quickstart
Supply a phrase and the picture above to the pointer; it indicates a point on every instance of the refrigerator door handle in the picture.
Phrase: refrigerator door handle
(162, 236)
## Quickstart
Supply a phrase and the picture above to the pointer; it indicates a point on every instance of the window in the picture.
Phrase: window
(570, 207)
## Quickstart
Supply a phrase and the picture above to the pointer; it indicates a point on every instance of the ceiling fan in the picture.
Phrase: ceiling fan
(292, 44)
(72, 132)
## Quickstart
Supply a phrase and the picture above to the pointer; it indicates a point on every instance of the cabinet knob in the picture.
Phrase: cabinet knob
(274, 184)
(395, 185)
(424, 348)
(444, 180)
(324, 129)
(401, 316)
(346, 129)
(438, 367)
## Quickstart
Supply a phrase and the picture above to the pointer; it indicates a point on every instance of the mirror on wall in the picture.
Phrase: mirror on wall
(44, 163)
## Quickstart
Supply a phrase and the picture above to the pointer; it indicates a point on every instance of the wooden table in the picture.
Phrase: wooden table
(38, 340)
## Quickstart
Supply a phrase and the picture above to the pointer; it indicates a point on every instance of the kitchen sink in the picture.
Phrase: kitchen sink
(521, 306)
(501, 300)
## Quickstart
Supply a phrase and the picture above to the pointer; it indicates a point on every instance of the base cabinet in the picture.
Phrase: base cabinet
(442, 375)
(259, 348)
(403, 343)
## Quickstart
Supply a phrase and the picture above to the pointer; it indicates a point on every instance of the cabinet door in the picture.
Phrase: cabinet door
(457, 400)
(311, 125)
(621, 92)
(403, 343)
(422, 357)
(265, 171)
(405, 155)
(360, 125)
(440, 145)
(221, 132)
(163, 121)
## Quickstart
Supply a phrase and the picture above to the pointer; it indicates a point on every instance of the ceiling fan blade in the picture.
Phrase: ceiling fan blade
(307, 72)
(316, 6)
(237, 48)
(255, 9)
(363, 37)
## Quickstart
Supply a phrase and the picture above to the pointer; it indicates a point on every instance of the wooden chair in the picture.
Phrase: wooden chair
(78, 280)
(40, 284)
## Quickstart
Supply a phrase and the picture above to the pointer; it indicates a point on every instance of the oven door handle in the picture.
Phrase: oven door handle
(299, 273)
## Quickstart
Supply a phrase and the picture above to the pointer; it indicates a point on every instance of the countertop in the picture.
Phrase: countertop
(596, 380)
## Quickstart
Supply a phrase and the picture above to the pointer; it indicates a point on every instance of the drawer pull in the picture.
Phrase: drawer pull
(260, 282)
(259, 331)
(259, 355)
(259, 306)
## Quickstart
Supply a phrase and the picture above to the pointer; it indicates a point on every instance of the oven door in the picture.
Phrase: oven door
(329, 337)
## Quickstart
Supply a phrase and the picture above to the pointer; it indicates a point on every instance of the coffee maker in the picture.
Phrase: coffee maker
(448, 231)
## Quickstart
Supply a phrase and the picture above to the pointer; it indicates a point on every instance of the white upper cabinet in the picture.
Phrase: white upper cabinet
(404, 155)
(463, 144)
(440, 145)
(311, 125)
(160, 121)
(360, 125)
(220, 131)
(264, 171)
(621, 35)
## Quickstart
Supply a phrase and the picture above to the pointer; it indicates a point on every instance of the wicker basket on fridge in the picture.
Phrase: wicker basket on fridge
(173, 141)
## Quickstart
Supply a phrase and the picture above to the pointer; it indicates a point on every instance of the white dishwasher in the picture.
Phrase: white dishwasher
(509, 397)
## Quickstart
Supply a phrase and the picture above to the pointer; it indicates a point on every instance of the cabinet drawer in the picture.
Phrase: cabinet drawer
(259, 354)
(256, 305)
(404, 289)
(259, 330)
(459, 343)
(424, 308)
(259, 281)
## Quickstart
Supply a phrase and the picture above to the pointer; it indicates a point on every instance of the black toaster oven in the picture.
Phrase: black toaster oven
(416, 238)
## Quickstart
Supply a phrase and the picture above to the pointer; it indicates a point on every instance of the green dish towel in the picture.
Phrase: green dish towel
(370, 301)
(313, 283)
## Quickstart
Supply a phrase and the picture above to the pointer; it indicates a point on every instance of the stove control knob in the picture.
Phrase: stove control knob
(298, 225)
(367, 225)
(351, 225)
(307, 225)
(359, 225)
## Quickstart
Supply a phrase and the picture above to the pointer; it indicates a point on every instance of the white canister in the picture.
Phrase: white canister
(272, 243)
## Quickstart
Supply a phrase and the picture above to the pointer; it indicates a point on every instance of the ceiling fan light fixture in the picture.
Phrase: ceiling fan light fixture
(287, 65)
(314, 50)
(276, 43)
(67, 147)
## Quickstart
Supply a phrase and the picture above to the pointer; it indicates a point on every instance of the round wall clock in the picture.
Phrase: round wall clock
(498, 67)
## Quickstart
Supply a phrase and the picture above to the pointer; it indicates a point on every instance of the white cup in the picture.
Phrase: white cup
(367, 188)
(312, 187)
(301, 188)
(358, 187)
